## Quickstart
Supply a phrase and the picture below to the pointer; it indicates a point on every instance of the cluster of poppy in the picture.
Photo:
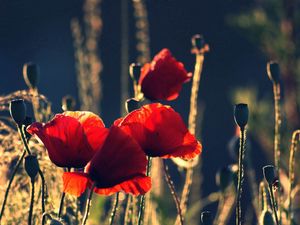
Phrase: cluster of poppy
(114, 159)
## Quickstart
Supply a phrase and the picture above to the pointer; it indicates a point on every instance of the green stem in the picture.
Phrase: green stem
(88, 205)
(142, 203)
(240, 177)
(173, 192)
(273, 204)
(31, 203)
(10, 183)
(114, 210)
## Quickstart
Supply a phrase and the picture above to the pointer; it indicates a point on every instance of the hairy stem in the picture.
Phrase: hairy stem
(273, 204)
(277, 138)
(114, 209)
(173, 192)
(142, 202)
(240, 177)
(31, 203)
(88, 205)
(61, 204)
(43, 195)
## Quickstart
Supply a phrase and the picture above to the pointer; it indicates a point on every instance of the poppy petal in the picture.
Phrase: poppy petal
(161, 132)
(135, 186)
(71, 138)
(163, 78)
(75, 183)
(120, 160)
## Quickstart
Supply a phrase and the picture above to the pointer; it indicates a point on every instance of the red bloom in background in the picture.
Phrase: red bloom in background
(71, 138)
(162, 79)
(161, 132)
(120, 165)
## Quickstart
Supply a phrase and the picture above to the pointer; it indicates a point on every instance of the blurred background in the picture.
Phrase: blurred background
(242, 35)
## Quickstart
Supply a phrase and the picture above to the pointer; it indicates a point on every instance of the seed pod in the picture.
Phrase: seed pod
(206, 218)
(135, 71)
(241, 114)
(132, 104)
(269, 174)
(266, 218)
(17, 109)
(273, 71)
(31, 74)
(68, 103)
(198, 41)
(31, 166)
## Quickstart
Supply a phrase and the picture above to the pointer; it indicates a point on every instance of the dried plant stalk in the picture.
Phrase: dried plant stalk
(293, 149)
(277, 139)
(142, 31)
(88, 63)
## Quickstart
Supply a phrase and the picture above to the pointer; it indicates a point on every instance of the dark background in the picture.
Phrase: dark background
(39, 31)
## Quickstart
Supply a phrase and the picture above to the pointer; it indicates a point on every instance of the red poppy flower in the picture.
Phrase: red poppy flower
(162, 79)
(161, 132)
(120, 165)
(71, 138)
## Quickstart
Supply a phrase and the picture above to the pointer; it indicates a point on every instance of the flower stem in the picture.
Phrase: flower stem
(10, 183)
(142, 203)
(31, 203)
(128, 210)
(273, 204)
(43, 195)
(277, 139)
(88, 205)
(114, 209)
(189, 165)
(173, 192)
(23, 137)
(240, 176)
(61, 205)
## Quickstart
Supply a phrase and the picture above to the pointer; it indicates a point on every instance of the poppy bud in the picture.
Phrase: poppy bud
(206, 218)
(266, 218)
(31, 73)
(55, 222)
(132, 104)
(31, 166)
(198, 41)
(224, 178)
(269, 174)
(17, 109)
(135, 71)
(68, 103)
(241, 114)
(27, 122)
(273, 71)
